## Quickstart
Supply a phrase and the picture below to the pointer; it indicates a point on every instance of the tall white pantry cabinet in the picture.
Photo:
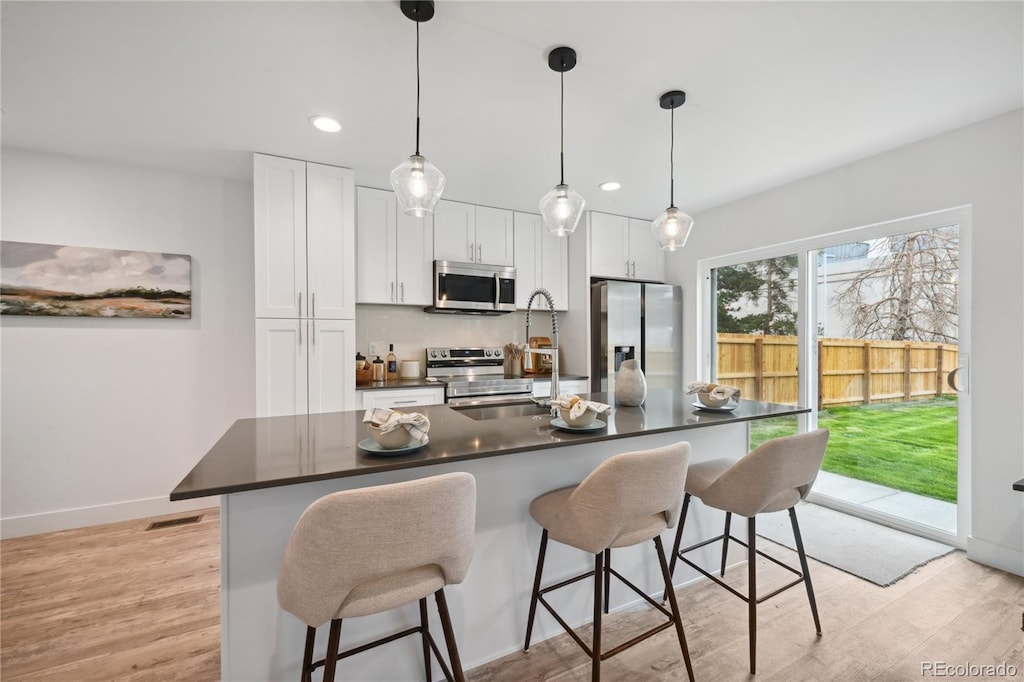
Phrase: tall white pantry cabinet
(304, 217)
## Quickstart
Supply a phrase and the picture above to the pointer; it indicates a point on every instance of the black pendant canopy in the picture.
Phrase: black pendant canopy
(418, 10)
(562, 59)
(673, 99)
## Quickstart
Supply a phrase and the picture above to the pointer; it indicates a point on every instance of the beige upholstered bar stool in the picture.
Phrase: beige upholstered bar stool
(628, 499)
(359, 552)
(773, 477)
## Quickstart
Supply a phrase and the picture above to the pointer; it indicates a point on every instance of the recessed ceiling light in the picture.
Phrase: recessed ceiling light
(326, 124)
(610, 186)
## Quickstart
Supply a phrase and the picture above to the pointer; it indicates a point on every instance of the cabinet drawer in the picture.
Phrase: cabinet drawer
(400, 399)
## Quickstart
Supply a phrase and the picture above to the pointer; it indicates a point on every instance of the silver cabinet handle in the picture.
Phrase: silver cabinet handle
(471, 251)
(634, 269)
(300, 334)
(627, 268)
(404, 402)
(312, 337)
(401, 288)
(314, 304)
(392, 299)
(300, 304)
(479, 253)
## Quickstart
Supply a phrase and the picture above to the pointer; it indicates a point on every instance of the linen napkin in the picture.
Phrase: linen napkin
(388, 420)
(577, 408)
(718, 391)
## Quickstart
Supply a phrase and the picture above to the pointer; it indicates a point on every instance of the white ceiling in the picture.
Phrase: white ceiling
(776, 90)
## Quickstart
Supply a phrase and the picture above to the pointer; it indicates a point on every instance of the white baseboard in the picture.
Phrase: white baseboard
(996, 556)
(66, 519)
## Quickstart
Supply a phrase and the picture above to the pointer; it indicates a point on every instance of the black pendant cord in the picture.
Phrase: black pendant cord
(672, 161)
(561, 144)
(417, 88)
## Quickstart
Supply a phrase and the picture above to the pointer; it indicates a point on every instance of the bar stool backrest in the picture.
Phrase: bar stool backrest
(353, 537)
(773, 477)
(626, 488)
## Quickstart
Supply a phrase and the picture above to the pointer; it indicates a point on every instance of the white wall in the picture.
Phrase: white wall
(981, 165)
(103, 417)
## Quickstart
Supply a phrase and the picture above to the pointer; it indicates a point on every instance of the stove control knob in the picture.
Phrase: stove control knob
(487, 353)
(433, 353)
(444, 353)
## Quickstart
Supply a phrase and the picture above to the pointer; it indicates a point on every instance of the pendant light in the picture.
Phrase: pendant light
(672, 227)
(562, 207)
(417, 182)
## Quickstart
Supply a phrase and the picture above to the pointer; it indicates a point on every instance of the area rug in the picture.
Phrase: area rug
(875, 553)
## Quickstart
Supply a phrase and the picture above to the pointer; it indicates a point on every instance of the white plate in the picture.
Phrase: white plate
(374, 448)
(559, 423)
(723, 408)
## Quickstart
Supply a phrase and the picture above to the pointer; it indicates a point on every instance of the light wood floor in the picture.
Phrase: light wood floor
(120, 603)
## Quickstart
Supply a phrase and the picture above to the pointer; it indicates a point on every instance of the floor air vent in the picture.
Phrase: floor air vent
(175, 522)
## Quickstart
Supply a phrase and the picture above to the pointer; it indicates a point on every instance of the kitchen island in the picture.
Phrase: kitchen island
(269, 470)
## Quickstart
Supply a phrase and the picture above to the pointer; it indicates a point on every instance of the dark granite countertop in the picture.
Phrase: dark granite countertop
(421, 382)
(274, 451)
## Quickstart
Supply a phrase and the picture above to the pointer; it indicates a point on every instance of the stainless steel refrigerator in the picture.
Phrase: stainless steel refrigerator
(632, 320)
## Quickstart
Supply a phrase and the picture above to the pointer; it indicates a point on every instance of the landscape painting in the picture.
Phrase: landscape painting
(77, 281)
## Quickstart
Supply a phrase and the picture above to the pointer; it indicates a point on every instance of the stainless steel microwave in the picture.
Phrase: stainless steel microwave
(473, 288)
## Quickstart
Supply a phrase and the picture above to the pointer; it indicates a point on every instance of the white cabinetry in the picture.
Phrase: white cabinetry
(305, 239)
(467, 233)
(395, 263)
(542, 387)
(402, 398)
(541, 260)
(624, 248)
(304, 365)
(304, 220)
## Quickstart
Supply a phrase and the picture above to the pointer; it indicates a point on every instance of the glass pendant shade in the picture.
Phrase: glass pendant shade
(418, 184)
(672, 228)
(561, 209)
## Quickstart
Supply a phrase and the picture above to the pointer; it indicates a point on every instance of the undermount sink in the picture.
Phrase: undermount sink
(503, 410)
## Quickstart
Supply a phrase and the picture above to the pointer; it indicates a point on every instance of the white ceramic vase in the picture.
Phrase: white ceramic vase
(630, 384)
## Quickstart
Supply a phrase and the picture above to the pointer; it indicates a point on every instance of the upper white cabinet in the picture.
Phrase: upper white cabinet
(304, 238)
(395, 251)
(624, 248)
(541, 260)
(473, 234)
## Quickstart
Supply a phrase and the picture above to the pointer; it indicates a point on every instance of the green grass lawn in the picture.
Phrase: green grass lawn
(907, 446)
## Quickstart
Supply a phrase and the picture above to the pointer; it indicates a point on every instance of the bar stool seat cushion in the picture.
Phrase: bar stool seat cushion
(392, 591)
(551, 511)
(700, 476)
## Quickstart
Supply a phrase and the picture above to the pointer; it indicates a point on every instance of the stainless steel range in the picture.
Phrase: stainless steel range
(474, 376)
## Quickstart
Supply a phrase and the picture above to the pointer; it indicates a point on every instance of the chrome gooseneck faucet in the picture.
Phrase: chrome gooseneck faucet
(553, 352)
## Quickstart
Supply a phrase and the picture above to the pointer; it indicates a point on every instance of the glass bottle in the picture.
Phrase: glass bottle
(392, 363)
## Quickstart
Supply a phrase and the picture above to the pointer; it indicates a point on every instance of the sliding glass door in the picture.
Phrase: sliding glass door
(865, 327)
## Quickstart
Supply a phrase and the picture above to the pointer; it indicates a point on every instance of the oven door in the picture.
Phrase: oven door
(478, 391)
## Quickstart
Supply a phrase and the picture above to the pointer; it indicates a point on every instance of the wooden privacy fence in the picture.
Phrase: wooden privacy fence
(850, 371)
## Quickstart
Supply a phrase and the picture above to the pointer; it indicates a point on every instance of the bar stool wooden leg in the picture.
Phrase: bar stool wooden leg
(449, 636)
(676, 616)
(307, 656)
(607, 577)
(536, 588)
(595, 669)
(803, 567)
(333, 641)
(679, 535)
(752, 594)
(425, 636)
(725, 541)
